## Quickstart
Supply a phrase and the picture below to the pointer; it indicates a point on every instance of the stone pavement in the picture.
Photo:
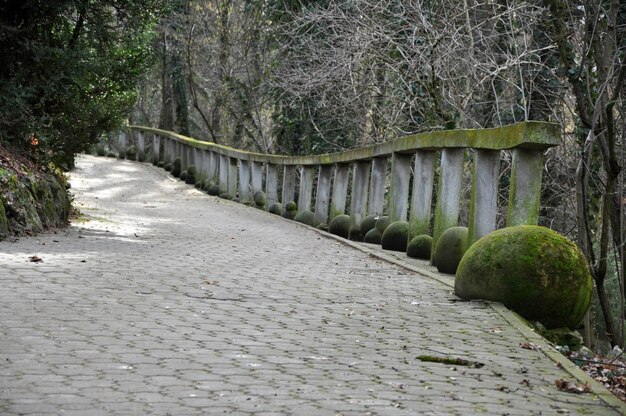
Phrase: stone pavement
(164, 300)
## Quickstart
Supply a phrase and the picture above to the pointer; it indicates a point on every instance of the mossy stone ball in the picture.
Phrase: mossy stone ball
(190, 179)
(396, 236)
(306, 217)
(183, 176)
(214, 190)
(368, 223)
(450, 249)
(276, 208)
(168, 167)
(291, 206)
(191, 170)
(225, 195)
(340, 225)
(176, 167)
(355, 233)
(532, 270)
(259, 198)
(160, 164)
(382, 223)
(420, 247)
(373, 236)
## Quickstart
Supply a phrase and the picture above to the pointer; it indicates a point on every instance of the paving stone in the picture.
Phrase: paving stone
(186, 304)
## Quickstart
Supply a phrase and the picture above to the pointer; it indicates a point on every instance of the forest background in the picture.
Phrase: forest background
(301, 77)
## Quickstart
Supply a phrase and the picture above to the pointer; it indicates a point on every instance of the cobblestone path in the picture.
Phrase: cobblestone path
(163, 300)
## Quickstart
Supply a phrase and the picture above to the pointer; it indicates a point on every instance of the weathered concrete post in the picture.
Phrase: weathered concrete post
(122, 141)
(289, 184)
(244, 181)
(157, 156)
(322, 197)
(141, 145)
(232, 177)
(399, 195)
(198, 159)
(223, 167)
(204, 168)
(271, 185)
(376, 202)
(360, 187)
(525, 191)
(214, 165)
(484, 197)
(256, 180)
(340, 190)
(422, 194)
(305, 193)
(449, 192)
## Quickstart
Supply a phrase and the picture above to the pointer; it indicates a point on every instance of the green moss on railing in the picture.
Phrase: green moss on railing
(528, 135)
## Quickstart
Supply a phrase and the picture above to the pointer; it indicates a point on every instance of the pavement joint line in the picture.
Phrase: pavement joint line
(517, 322)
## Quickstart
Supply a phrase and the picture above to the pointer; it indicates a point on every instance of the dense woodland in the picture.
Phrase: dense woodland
(298, 77)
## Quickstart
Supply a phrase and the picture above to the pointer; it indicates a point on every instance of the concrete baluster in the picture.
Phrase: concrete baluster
(360, 187)
(244, 181)
(289, 184)
(123, 141)
(305, 192)
(525, 190)
(141, 145)
(399, 194)
(322, 196)
(271, 185)
(223, 168)
(256, 178)
(422, 194)
(214, 166)
(340, 190)
(484, 196)
(449, 192)
(376, 202)
(157, 155)
(232, 177)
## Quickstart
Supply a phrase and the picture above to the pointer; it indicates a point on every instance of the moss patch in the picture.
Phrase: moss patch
(449, 249)
(420, 247)
(396, 236)
(340, 225)
(532, 270)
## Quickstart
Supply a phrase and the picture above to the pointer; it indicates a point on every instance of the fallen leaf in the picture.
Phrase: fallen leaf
(35, 259)
(530, 346)
(570, 387)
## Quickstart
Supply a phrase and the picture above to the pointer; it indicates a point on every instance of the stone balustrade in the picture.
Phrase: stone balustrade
(395, 178)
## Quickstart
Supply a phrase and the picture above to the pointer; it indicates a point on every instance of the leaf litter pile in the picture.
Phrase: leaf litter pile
(610, 372)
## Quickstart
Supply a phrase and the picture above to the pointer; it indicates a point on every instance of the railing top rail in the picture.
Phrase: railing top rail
(529, 134)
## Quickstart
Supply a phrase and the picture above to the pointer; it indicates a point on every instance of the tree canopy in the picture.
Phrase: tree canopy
(69, 69)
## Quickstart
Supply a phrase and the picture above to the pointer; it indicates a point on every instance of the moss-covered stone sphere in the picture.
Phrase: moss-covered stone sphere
(168, 167)
(450, 249)
(291, 206)
(259, 198)
(183, 176)
(355, 233)
(396, 236)
(214, 190)
(190, 179)
(420, 247)
(131, 152)
(236, 199)
(306, 217)
(340, 225)
(191, 170)
(532, 270)
(160, 164)
(176, 167)
(276, 208)
(225, 195)
(382, 223)
(373, 236)
(290, 215)
(368, 223)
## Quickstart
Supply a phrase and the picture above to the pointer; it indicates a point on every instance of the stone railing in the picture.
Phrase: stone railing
(408, 185)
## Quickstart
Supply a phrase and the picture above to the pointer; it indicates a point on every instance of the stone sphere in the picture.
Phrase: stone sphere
(373, 236)
(532, 270)
(420, 247)
(368, 223)
(259, 198)
(450, 249)
(305, 217)
(396, 236)
(340, 225)
(276, 208)
(291, 206)
(382, 223)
